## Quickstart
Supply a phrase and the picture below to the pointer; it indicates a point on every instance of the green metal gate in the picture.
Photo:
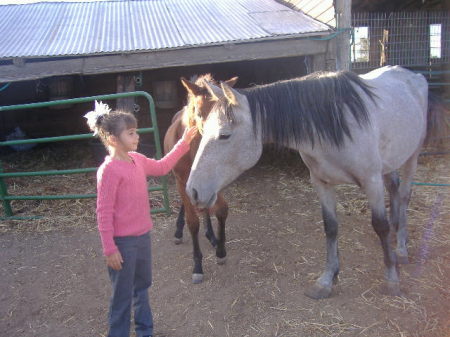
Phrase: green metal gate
(6, 198)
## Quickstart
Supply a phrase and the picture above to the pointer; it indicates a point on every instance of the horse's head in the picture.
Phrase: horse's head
(199, 99)
(229, 145)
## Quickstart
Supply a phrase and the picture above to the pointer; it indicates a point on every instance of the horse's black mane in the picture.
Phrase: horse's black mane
(309, 108)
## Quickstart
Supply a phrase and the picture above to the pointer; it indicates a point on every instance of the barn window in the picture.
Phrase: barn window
(435, 41)
(360, 50)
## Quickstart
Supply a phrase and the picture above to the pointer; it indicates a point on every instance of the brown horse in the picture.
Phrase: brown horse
(195, 113)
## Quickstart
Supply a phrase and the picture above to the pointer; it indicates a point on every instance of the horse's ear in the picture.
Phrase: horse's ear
(213, 90)
(192, 88)
(232, 81)
(229, 93)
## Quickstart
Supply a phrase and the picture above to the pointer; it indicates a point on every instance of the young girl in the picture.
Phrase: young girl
(123, 215)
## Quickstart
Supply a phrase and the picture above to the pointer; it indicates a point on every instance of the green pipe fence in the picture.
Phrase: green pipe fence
(6, 198)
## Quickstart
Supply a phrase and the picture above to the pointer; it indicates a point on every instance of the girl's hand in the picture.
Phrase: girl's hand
(189, 134)
(114, 261)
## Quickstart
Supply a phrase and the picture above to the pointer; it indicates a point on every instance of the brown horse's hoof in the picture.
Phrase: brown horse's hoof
(393, 288)
(177, 241)
(221, 260)
(317, 292)
(197, 278)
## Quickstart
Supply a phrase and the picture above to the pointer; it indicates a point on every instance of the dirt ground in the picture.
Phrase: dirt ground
(53, 280)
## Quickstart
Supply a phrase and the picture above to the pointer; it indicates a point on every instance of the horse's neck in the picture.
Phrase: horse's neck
(303, 146)
(292, 145)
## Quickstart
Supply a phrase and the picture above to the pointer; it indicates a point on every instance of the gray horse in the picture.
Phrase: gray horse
(348, 129)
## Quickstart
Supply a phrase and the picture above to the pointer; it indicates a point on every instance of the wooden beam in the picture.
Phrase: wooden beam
(319, 62)
(125, 83)
(162, 59)
(343, 21)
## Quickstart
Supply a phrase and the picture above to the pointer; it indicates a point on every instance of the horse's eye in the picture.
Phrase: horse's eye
(222, 137)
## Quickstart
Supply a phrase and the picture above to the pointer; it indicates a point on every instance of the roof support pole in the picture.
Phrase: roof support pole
(343, 21)
(445, 38)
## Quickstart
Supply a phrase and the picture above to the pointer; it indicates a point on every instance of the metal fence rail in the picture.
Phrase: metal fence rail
(6, 198)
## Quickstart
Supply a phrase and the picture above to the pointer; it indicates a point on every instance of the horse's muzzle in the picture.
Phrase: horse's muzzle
(199, 201)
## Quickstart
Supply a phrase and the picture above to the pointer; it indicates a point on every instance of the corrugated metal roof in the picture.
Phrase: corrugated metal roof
(56, 29)
(322, 10)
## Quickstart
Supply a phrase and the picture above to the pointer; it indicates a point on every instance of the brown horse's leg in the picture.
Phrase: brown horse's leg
(181, 215)
(193, 223)
(209, 229)
(221, 211)
(180, 225)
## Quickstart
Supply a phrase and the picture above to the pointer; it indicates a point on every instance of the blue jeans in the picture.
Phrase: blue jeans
(130, 284)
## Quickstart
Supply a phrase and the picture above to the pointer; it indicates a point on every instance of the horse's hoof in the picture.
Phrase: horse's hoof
(177, 241)
(197, 278)
(221, 260)
(393, 288)
(402, 259)
(317, 292)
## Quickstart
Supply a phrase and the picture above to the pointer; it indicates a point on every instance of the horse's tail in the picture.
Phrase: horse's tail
(437, 120)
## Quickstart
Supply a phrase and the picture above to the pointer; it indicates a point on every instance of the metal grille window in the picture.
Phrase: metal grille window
(412, 39)
(435, 41)
(360, 46)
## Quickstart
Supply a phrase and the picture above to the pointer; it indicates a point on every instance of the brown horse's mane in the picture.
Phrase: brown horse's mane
(189, 115)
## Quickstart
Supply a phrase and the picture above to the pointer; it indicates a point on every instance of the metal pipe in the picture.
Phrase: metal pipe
(6, 199)
(47, 173)
(76, 100)
(58, 197)
(60, 138)
(4, 193)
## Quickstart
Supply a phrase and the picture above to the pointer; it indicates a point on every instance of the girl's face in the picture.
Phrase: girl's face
(128, 140)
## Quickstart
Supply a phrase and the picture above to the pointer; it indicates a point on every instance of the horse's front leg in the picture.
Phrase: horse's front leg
(323, 286)
(375, 193)
(193, 223)
(221, 211)
(179, 226)
(209, 229)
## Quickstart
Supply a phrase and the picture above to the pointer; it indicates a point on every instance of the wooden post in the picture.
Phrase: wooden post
(125, 83)
(343, 20)
(445, 52)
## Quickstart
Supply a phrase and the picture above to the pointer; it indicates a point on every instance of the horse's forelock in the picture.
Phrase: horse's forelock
(190, 117)
(205, 77)
(225, 109)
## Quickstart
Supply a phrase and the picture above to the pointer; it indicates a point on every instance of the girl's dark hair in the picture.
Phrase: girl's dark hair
(113, 123)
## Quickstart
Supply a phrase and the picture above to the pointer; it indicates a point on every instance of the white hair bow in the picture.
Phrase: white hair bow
(92, 117)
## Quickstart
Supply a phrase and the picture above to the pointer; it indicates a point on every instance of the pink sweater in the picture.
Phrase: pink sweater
(123, 207)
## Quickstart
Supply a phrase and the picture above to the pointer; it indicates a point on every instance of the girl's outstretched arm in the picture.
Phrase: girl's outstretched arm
(163, 166)
(189, 134)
